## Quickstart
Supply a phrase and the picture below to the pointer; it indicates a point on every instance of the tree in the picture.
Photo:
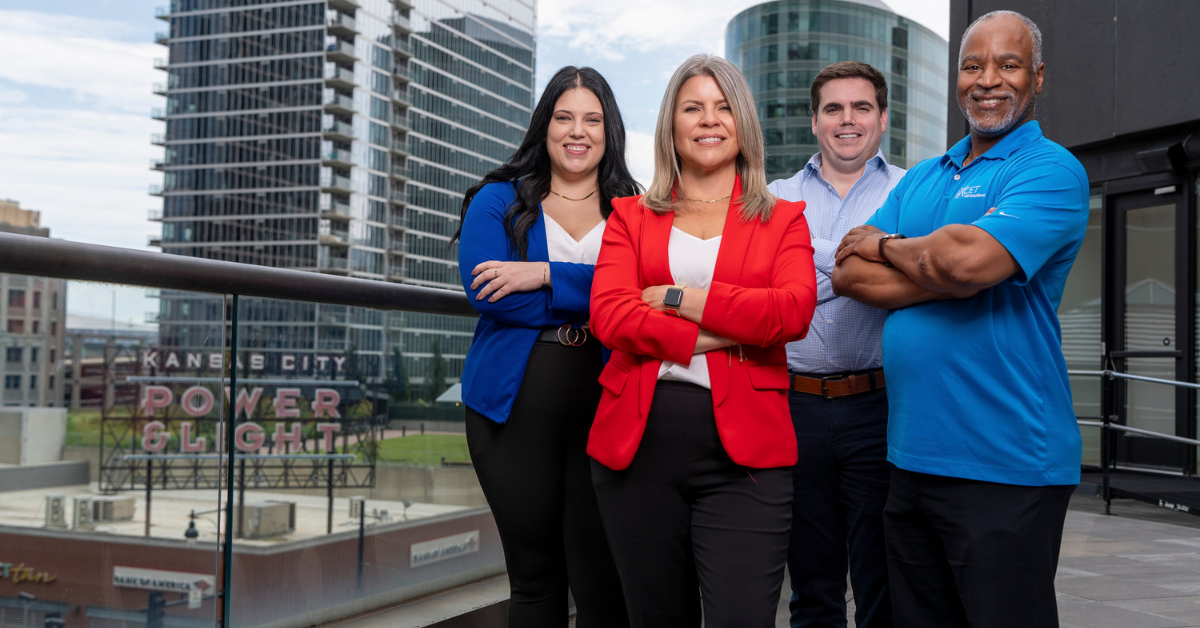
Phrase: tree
(437, 379)
(396, 384)
(352, 370)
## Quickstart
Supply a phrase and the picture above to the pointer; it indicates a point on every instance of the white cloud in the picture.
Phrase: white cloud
(79, 54)
(639, 156)
(12, 97)
(623, 28)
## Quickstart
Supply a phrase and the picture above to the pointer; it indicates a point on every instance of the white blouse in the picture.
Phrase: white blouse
(564, 248)
(692, 262)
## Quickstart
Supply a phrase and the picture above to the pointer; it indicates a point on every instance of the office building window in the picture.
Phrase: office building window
(54, 301)
(16, 326)
(53, 328)
(33, 355)
(16, 298)
(36, 324)
(52, 356)
(33, 382)
(37, 300)
(12, 382)
(13, 354)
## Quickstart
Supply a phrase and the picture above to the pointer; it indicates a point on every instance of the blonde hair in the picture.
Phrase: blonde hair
(757, 201)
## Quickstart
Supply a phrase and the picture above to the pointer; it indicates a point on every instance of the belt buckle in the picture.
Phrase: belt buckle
(824, 385)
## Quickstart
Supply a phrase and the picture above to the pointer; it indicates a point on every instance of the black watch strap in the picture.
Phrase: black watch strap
(890, 236)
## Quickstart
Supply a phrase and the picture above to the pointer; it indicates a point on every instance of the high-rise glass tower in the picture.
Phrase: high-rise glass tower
(337, 136)
(781, 46)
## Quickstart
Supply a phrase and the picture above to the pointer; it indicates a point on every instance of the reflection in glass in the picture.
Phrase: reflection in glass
(1079, 319)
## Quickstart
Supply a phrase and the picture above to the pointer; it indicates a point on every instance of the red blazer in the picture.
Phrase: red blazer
(763, 294)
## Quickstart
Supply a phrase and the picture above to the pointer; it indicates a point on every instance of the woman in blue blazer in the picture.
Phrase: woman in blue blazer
(531, 231)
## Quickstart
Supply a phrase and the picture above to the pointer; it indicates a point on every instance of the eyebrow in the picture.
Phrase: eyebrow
(1010, 56)
(571, 113)
(697, 102)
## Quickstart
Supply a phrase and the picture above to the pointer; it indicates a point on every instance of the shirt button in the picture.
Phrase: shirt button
(829, 322)
(957, 177)
(831, 361)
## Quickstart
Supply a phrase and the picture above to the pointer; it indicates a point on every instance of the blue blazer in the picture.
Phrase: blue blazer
(509, 327)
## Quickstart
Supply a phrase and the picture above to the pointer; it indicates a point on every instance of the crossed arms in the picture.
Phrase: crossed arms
(954, 262)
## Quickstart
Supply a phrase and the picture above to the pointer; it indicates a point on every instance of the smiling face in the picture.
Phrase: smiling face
(575, 137)
(997, 82)
(704, 131)
(849, 124)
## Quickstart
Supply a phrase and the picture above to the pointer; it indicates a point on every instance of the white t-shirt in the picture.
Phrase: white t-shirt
(692, 262)
(563, 248)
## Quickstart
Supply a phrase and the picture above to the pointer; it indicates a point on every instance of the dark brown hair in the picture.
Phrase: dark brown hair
(849, 69)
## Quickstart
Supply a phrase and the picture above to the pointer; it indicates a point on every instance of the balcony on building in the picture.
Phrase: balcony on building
(398, 197)
(396, 245)
(158, 139)
(154, 215)
(160, 63)
(401, 23)
(160, 89)
(156, 189)
(399, 173)
(339, 50)
(334, 208)
(400, 121)
(339, 77)
(345, 6)
(157, 113)
(398, 221)
(336, 102)
(402, 48)
(400, 96)
(154, 240)
(335, 129)
(401, 73)
(163, 13)
(156, 164)
(162, 37)
(328, 236)
(335, 180)
(335, 155)
(338, 23)
(335, 265)
(400, 145)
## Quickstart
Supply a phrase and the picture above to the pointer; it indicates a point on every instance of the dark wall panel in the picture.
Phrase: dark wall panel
(1113, 67)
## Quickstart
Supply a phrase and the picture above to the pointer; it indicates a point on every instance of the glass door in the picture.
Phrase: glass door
(1147, 316)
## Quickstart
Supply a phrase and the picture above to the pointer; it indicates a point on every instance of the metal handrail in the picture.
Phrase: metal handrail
(1141, 378)
(44, 257)
(1138, 430)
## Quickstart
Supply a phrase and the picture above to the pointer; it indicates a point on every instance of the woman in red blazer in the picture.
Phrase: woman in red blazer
(698, 286)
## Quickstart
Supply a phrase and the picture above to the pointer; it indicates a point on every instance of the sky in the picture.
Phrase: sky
(76, 94)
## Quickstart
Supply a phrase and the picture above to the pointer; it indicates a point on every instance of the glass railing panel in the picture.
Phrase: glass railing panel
(110, 468)
(1079, 319)
(371, 469)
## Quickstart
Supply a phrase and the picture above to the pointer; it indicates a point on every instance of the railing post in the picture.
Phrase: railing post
(1107, 382)
(230, 448)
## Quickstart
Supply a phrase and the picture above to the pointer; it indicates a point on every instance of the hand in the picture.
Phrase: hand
(654, 296)
(862, 241)
(504, 278)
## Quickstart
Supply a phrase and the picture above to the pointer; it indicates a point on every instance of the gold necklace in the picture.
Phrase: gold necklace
(575, 199)
(696, 200)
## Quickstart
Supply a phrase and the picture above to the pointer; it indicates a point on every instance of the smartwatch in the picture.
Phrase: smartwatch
(672, 300)
(890, 236)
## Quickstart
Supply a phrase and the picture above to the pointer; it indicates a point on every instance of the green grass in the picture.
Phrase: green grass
(424, 449)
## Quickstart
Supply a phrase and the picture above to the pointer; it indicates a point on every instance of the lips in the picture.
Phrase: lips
(848, 136)
(988, 102)
(577, 150)
(709, 140)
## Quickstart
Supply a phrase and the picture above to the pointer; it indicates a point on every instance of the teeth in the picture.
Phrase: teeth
(577, 149)
(990, 101)
(846, 136)
(709, 140)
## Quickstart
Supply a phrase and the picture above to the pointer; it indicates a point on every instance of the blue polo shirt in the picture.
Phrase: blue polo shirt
(977, 387)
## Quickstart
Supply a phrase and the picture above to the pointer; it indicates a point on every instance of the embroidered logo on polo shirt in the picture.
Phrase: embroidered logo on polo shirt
(970, 191)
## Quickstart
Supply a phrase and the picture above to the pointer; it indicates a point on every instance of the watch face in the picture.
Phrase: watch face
(673, 298)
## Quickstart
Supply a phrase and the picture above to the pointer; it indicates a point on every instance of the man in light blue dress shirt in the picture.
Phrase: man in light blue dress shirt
(838, 400)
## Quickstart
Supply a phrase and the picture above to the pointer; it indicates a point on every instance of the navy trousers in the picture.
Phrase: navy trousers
(840, 487)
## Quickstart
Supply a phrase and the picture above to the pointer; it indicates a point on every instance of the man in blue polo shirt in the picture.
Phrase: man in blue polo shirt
(970, 253)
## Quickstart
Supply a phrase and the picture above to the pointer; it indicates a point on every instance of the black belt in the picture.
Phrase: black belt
(568, 336)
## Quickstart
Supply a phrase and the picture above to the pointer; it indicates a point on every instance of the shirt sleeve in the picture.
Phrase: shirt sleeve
(887, 217)
(824, 256)
(483, 239)
(1041, 210)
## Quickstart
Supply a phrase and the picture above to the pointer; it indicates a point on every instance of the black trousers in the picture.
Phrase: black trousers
(841, 486)
(970, 553)
(684, 521)
(535, 473)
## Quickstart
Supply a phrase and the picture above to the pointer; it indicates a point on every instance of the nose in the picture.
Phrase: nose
(577, 128)
(989, 77)
(710, 118)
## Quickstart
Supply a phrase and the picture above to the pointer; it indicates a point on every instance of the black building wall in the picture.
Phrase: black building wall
(1121, 72)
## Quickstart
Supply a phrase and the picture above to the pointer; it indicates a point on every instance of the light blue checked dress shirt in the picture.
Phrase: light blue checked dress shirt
(845, 335)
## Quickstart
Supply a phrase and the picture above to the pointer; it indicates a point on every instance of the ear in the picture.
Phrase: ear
(1038, 76)
(883, 118)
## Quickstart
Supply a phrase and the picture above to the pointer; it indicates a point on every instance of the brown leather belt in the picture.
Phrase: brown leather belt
(839, 385)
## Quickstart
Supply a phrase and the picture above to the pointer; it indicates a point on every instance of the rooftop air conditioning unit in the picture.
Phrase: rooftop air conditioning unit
(112, 508)
(83, 512)
(56, 511)
(356, 507)
(268, 518)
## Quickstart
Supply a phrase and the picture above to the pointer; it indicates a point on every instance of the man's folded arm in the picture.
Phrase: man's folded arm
(874, 284)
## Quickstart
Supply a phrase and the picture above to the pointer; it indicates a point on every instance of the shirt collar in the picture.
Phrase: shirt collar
(1015, 140)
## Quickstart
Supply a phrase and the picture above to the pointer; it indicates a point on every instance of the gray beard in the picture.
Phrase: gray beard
(1008, 123)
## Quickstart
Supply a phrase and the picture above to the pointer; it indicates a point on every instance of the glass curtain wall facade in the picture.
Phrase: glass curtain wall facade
(337, 137)
(781, 46)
